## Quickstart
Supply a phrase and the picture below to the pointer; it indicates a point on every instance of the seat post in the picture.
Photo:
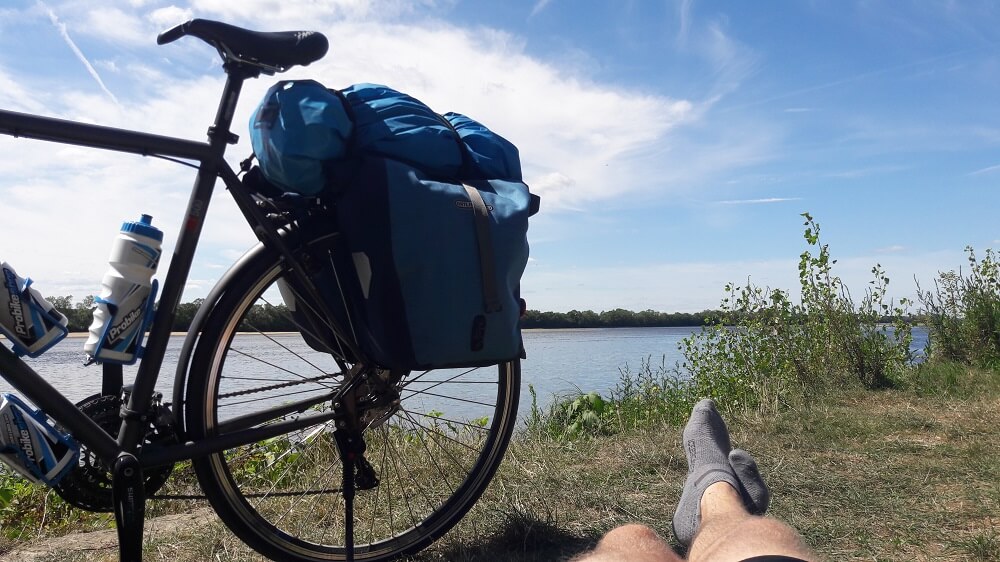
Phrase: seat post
(219, 134)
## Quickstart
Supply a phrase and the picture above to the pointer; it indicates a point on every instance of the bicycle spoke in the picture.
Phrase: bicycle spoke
(465, 400)
(321, 317)
(449, 420)
(255, 358)
(417, 378)
(298, 326)
(430, 456)
(443, 448)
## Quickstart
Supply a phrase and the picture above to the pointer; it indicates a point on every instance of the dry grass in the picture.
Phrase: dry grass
(875, 476)
(891, 475)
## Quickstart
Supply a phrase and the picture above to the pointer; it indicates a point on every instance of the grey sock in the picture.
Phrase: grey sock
(706, 443)
(756, 494)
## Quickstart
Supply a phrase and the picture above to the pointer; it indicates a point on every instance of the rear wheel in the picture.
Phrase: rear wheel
(434, 438)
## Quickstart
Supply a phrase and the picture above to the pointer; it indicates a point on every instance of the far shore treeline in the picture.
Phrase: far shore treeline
(275, 318)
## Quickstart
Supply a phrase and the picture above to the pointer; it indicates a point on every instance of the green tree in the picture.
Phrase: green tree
(79, 315)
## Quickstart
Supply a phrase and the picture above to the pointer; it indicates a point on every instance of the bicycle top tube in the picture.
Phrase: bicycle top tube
(245, 53)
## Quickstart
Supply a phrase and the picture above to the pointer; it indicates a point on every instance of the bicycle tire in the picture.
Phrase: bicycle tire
(433, 463)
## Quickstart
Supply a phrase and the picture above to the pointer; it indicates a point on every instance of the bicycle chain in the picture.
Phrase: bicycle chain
(277, 386)
(180, 497)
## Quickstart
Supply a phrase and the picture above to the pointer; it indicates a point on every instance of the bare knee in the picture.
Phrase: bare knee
(632, 543)
(629, 536)
(747, 537)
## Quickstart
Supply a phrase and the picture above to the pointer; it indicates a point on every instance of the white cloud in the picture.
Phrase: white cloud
(64, 33)
(588, 135)
(894, 249)
(119, 26)
(15, 97)
(539, 6)
(986, 170)
(867, 172)
(307, 13)
(684, 18)
(581, 142)
(169, 16)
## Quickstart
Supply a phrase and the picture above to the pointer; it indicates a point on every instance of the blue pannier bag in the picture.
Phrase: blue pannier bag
(433, 214)
(437, 265)
(298, 129)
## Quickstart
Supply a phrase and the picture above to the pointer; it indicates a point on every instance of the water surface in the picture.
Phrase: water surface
(559, 362)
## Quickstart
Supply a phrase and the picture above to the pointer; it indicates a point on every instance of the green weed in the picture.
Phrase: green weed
(648, 396)
(963, 313)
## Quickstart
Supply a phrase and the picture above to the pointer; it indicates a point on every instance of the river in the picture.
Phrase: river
(559, 362)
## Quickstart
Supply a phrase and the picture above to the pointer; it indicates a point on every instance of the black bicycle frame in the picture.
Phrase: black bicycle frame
(211, 166)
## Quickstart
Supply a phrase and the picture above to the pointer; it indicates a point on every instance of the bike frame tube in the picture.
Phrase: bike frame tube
(155, 455)
(52, 402)
(98, 136)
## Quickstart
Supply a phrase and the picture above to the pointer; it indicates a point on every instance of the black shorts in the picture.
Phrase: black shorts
(774, 558)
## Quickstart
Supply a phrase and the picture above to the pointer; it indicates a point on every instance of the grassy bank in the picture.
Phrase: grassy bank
(902, 474)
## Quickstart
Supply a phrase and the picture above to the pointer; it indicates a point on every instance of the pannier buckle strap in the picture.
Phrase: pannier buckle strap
(491, 298)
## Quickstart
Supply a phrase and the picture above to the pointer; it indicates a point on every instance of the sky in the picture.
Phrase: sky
(674, 143)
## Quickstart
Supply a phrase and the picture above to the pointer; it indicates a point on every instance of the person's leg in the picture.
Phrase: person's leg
(724, 494)
(718, 515)
(729, 533)
(630, 543)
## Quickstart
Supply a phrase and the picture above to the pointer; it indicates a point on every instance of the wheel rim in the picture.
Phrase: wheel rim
(434, 453)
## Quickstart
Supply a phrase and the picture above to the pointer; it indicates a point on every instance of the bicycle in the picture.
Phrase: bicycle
(263, 418)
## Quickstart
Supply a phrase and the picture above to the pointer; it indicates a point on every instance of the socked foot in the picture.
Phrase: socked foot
(706, 444)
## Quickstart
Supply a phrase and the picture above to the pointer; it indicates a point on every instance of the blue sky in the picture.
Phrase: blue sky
(674, 143)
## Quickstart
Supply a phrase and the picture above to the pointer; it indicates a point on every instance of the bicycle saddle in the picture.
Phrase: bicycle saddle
(271, 51)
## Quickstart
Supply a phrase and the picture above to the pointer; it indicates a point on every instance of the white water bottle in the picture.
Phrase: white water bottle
(125, 304)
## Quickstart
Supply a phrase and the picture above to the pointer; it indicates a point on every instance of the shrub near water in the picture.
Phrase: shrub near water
(963, 313)
(646, 397)
(768, 351)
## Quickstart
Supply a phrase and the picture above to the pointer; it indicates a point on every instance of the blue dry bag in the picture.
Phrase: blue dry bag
(297, 130)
